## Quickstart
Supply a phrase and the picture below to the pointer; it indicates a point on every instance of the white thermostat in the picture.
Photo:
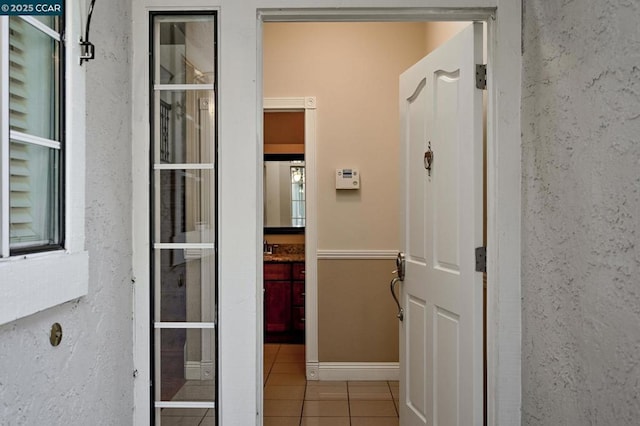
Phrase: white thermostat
(347, 179)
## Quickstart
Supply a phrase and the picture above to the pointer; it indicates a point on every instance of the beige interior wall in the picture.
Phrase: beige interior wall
(437, 33)
(353, 71)
(357, 316)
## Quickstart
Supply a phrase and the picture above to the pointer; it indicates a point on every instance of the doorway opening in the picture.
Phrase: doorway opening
(284, 195)
(288, 262)
(352, 69)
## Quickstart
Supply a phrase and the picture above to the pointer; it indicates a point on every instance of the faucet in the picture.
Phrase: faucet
(266, 247)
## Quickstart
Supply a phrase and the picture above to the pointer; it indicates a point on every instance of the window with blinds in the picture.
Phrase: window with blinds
(43, 261)
(33, 141)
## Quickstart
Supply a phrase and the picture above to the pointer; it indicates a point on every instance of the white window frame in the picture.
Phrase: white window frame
(30, 283)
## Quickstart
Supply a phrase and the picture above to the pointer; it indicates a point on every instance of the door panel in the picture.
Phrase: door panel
(445, 181)
(447, 350)
(417, 357)
(441, 336)
(416, 109)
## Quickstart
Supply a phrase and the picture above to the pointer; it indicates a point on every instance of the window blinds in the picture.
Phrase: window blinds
(19, 182)
(33, 145)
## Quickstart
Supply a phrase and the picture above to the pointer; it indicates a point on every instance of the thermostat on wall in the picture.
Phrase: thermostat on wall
(347, 179)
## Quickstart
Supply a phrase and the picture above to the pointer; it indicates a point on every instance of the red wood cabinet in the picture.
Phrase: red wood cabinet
(277, 299)
(277, 271)
(284, 292)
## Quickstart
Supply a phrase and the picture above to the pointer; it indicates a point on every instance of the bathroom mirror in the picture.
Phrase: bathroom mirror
(284, 193)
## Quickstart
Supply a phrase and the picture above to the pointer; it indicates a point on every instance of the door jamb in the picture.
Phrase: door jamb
(308, 105)
(503, 182)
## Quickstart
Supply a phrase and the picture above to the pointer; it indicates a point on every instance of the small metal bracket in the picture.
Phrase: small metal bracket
(87, 51)
(481, 259)
(481, 76)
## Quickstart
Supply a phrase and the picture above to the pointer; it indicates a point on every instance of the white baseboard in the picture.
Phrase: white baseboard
(198, 370)
(192, 370)
(358, 371)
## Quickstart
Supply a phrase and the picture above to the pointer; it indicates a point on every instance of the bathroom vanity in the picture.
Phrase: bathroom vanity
(284, 294)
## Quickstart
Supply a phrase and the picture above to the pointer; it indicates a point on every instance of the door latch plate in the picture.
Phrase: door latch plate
(481, 259)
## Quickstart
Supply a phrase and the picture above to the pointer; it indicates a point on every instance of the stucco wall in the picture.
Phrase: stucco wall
(581, 213)
(88, 378)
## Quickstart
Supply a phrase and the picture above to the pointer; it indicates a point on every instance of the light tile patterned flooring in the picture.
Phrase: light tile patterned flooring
(187, 417)
(289, 400)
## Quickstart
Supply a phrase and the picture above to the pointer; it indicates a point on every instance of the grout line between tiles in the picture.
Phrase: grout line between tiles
(349, 401)
(393, 399)
(304, 400)
(203, 417)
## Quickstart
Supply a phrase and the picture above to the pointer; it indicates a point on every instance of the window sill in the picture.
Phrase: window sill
(33, 283)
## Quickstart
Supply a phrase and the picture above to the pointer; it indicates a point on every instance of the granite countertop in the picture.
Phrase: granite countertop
(284, 257)
(285, 253)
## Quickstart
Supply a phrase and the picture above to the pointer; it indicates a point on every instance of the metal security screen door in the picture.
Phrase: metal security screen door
(183, 209)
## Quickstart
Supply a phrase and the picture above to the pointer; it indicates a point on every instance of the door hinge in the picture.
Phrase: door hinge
(481, 259)
(481, 76)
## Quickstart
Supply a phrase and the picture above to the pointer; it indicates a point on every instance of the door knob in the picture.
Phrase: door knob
(392, 285)
(400, 270)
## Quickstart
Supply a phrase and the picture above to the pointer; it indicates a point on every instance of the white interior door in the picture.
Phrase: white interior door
(441, 333)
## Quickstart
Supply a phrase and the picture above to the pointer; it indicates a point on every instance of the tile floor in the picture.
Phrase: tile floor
(289, 400)
(186, 417)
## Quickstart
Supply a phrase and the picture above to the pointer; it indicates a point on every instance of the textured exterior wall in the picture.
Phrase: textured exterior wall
(88, 378)
(581, 213)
